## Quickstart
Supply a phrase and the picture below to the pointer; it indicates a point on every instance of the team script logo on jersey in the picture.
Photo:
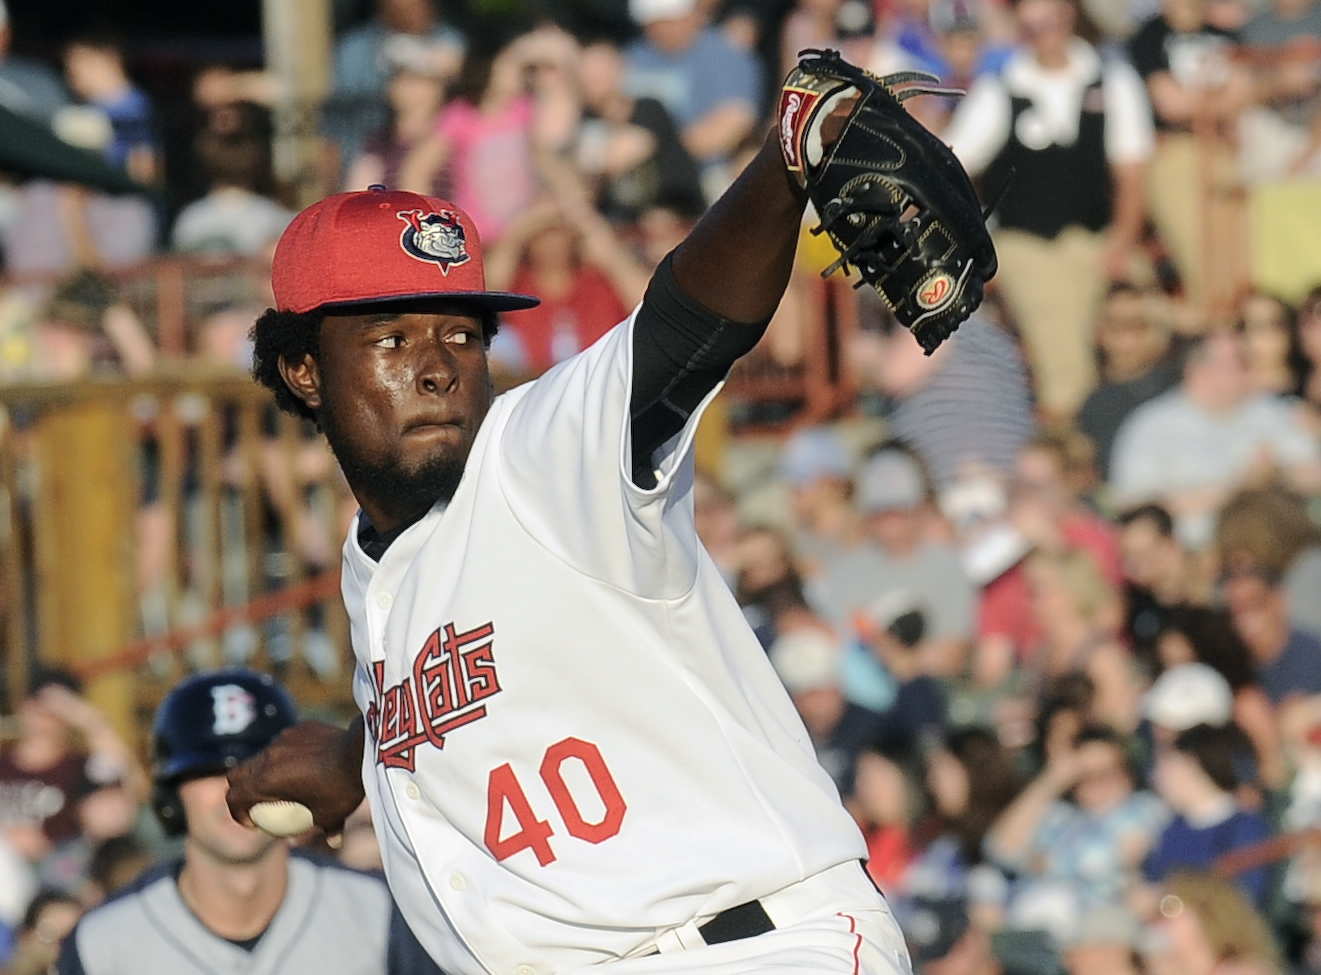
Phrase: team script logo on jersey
(232, 709)
(438, 238)
(451, 675)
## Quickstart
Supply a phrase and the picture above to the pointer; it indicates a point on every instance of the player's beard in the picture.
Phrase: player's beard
(413, 489)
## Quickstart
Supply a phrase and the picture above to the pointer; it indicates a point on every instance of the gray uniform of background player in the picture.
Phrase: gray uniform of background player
(332, 921)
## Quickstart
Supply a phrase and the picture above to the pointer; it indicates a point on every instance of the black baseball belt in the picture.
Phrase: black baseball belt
(734, 924)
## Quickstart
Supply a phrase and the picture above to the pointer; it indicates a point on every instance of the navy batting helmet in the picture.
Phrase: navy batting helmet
(211, 722)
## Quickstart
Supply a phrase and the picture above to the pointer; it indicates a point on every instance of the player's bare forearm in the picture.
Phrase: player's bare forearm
(737, 260)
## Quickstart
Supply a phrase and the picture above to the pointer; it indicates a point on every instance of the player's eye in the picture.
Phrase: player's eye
(390, 341)
(462, 338)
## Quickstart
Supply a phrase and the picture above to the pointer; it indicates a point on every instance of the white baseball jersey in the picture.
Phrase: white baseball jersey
(574, 741)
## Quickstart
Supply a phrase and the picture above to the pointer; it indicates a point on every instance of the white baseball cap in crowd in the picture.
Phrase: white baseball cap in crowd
(888, 481)
(806, 659)
(1187, 695)
(645, 12)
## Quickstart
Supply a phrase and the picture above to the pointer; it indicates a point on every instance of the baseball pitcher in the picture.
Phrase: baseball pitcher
(576, 751)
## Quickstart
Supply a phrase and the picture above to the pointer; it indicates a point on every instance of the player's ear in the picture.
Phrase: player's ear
(303, 377)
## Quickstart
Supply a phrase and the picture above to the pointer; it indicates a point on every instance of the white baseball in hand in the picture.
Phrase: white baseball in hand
(281, 817)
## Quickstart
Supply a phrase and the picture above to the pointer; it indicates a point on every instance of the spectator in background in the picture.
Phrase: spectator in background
(821, 24)
(712, 88)
(1266, 327)
(1309, 342)
(1195, 775)
(493, 133)
(54, 228)
(1046, 514)
(48, 920)
(816, 466)
(234, 219)
(1187, 64)
(1288, 660)
(586, 278)
(1201, 652)
(27, 87)
(1075, 836)
(1077, 610)
(86, 329)
(1271, 528)
(894, 701)
(1156, 575)
(1077, 133)
(1191, 448)
(971, 779)
(1280, 137)
(807, 661)
(891, 492)
(401, 29)
(966, 406)
(630, 150)
(1138, 364)
(61, 740)
(1207, 924)
(885, 803)
(414, 96)
(94, 67)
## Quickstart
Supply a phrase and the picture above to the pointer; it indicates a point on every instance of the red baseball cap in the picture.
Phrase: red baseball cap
(379, 245)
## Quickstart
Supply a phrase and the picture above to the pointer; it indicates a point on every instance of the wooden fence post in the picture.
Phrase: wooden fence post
(84, 543)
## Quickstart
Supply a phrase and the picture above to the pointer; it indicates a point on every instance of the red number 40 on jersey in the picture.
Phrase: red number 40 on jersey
(503, 789)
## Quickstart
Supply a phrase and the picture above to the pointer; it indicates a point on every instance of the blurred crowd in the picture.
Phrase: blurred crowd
(1048, 600)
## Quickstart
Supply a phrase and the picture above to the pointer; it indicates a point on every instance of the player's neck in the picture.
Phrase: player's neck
(234, 901)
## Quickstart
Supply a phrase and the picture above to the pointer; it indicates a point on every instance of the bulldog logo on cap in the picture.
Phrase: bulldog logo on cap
(437, 238)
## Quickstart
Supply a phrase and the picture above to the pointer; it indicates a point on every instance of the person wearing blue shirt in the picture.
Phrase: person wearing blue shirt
(1196, 777)
(711, 88)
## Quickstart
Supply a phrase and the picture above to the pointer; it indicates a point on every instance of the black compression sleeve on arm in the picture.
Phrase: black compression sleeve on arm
(680, 352)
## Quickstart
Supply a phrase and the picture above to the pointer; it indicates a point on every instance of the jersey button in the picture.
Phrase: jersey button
(413, 791)
(457, 881)
(525, 970)
(384, 600)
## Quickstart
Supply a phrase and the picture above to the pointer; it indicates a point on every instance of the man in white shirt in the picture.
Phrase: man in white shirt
(1192, 447)
(1076, 132)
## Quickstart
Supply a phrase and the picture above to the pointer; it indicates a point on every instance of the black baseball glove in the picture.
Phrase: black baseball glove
(893, 199)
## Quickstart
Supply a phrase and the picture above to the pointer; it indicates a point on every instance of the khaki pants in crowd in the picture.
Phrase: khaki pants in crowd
(1188, 198)
(1054, 290)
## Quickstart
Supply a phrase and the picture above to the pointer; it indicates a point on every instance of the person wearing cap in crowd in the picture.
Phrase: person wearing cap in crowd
(817, 467)
(238, 900)
(1185, 696)
(1195, 774)
(807, 661)
(891, 492)
(1207, 635)
(712, 89)
(400, 30)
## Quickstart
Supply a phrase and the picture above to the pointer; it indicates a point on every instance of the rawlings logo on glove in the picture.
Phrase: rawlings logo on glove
(893, 199)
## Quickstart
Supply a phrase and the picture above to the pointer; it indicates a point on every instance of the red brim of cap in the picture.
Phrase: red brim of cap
(494, 300)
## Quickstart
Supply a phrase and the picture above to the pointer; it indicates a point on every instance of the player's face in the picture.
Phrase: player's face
(212, 831)
(400, 398)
